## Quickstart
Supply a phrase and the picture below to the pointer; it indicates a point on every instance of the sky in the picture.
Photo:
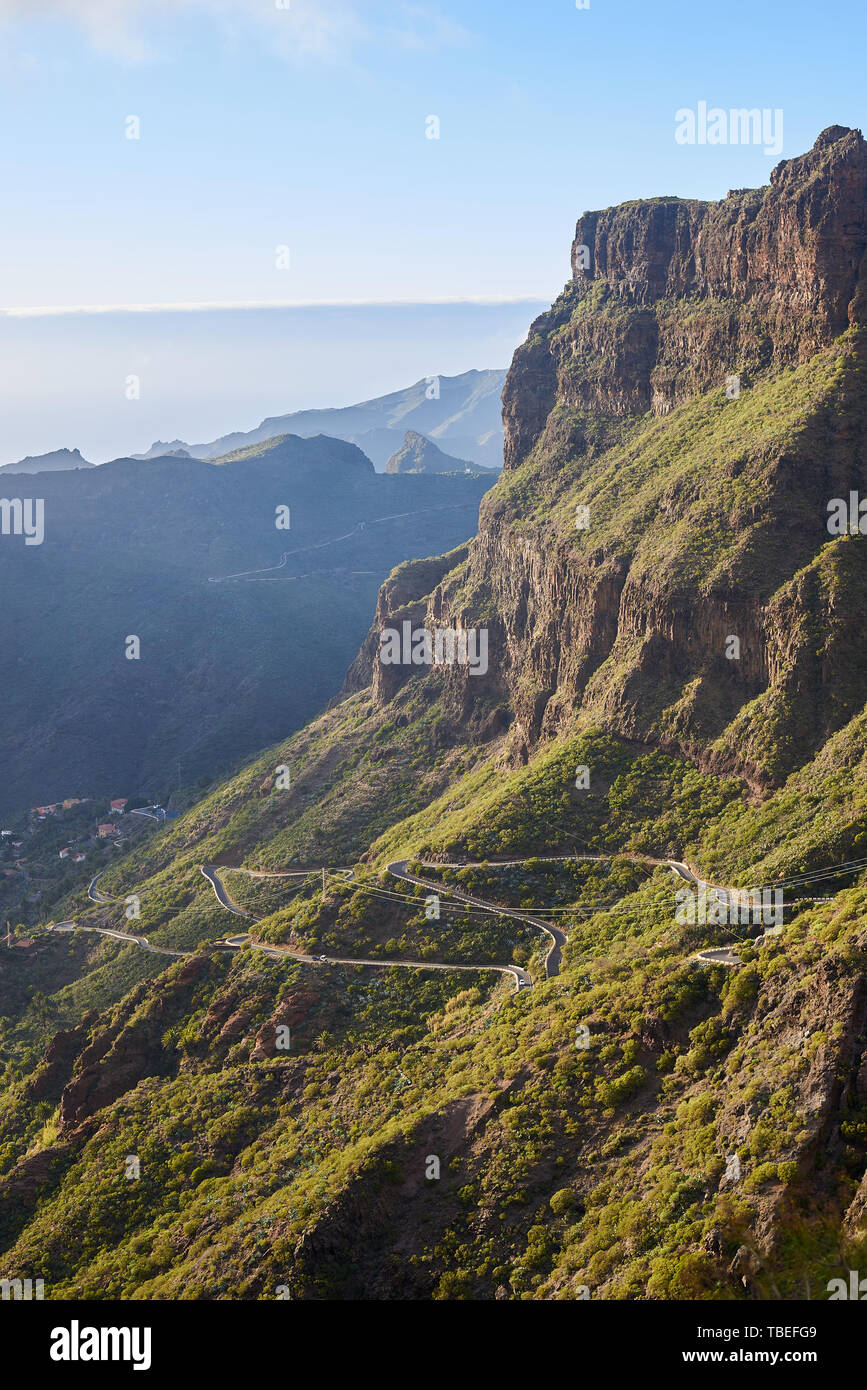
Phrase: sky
(283, 158)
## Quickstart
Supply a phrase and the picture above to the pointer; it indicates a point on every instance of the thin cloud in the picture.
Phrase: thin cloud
(327, 29)
(57, 310)
(425, 28)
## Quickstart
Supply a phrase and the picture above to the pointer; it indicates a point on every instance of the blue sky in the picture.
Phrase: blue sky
(305, 127)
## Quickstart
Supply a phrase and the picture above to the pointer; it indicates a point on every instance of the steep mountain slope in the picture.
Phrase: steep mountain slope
(639, 1123)
(707, 516)
(461, 413)
(136, 549)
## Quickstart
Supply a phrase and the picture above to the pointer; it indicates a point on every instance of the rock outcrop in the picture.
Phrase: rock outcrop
(669, 295)
(701, 527)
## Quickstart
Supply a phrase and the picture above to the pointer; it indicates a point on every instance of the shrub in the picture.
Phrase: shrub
(766, 1172)
(620, 1088)
(742, 991)
(561, 1201)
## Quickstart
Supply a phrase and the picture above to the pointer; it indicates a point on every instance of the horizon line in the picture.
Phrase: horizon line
(209, 306)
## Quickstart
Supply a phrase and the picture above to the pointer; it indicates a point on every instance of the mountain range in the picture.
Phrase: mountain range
(461, 413)
(149, 550)
(482, 1006)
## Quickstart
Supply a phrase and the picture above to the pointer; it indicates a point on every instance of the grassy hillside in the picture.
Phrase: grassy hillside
(261, 1169)
(474, 1113)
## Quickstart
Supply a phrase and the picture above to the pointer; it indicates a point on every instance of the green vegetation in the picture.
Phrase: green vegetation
(640, 1125)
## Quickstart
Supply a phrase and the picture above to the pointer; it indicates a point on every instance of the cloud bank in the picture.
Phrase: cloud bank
(34, 311)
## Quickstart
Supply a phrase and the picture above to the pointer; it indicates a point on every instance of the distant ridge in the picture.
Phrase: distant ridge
(159, 450)
(459, 413)
(59, 461)
(268, 649)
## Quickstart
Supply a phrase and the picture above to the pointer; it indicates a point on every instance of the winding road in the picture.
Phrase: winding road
(212, 874)
(142, 941)
(727, 897)
(94, 893)
(557, 936)
(253, 575)
(720, 955)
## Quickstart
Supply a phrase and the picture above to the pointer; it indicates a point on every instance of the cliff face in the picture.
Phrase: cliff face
(403, 597)
(670, 295)
(706, 510)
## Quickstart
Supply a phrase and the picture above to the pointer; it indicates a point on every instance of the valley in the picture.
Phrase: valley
(140, 547)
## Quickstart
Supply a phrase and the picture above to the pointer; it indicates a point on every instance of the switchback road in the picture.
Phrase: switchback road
(212, 873)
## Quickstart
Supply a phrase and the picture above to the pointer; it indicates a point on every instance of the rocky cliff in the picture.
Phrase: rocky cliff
(668, 295)
(657, 557)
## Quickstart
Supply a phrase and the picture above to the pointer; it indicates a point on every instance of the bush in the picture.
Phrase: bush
(742, 991)
(561, 1201)
(620, 1088)
(766, 1172)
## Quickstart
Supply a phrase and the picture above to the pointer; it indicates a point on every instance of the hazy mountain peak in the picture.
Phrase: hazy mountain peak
(56, 462)
(462, 412)
(417, 454)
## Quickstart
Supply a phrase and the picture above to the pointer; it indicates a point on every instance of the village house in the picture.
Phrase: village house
(103, 831)
(77, 858)
(73, 801)
(118, 804)
(64, 853)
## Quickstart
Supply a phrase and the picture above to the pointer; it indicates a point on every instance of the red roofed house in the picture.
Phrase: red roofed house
(119, 804)
(103, 831)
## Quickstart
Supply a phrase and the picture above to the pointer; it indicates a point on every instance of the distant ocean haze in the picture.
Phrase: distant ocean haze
(202, 373)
